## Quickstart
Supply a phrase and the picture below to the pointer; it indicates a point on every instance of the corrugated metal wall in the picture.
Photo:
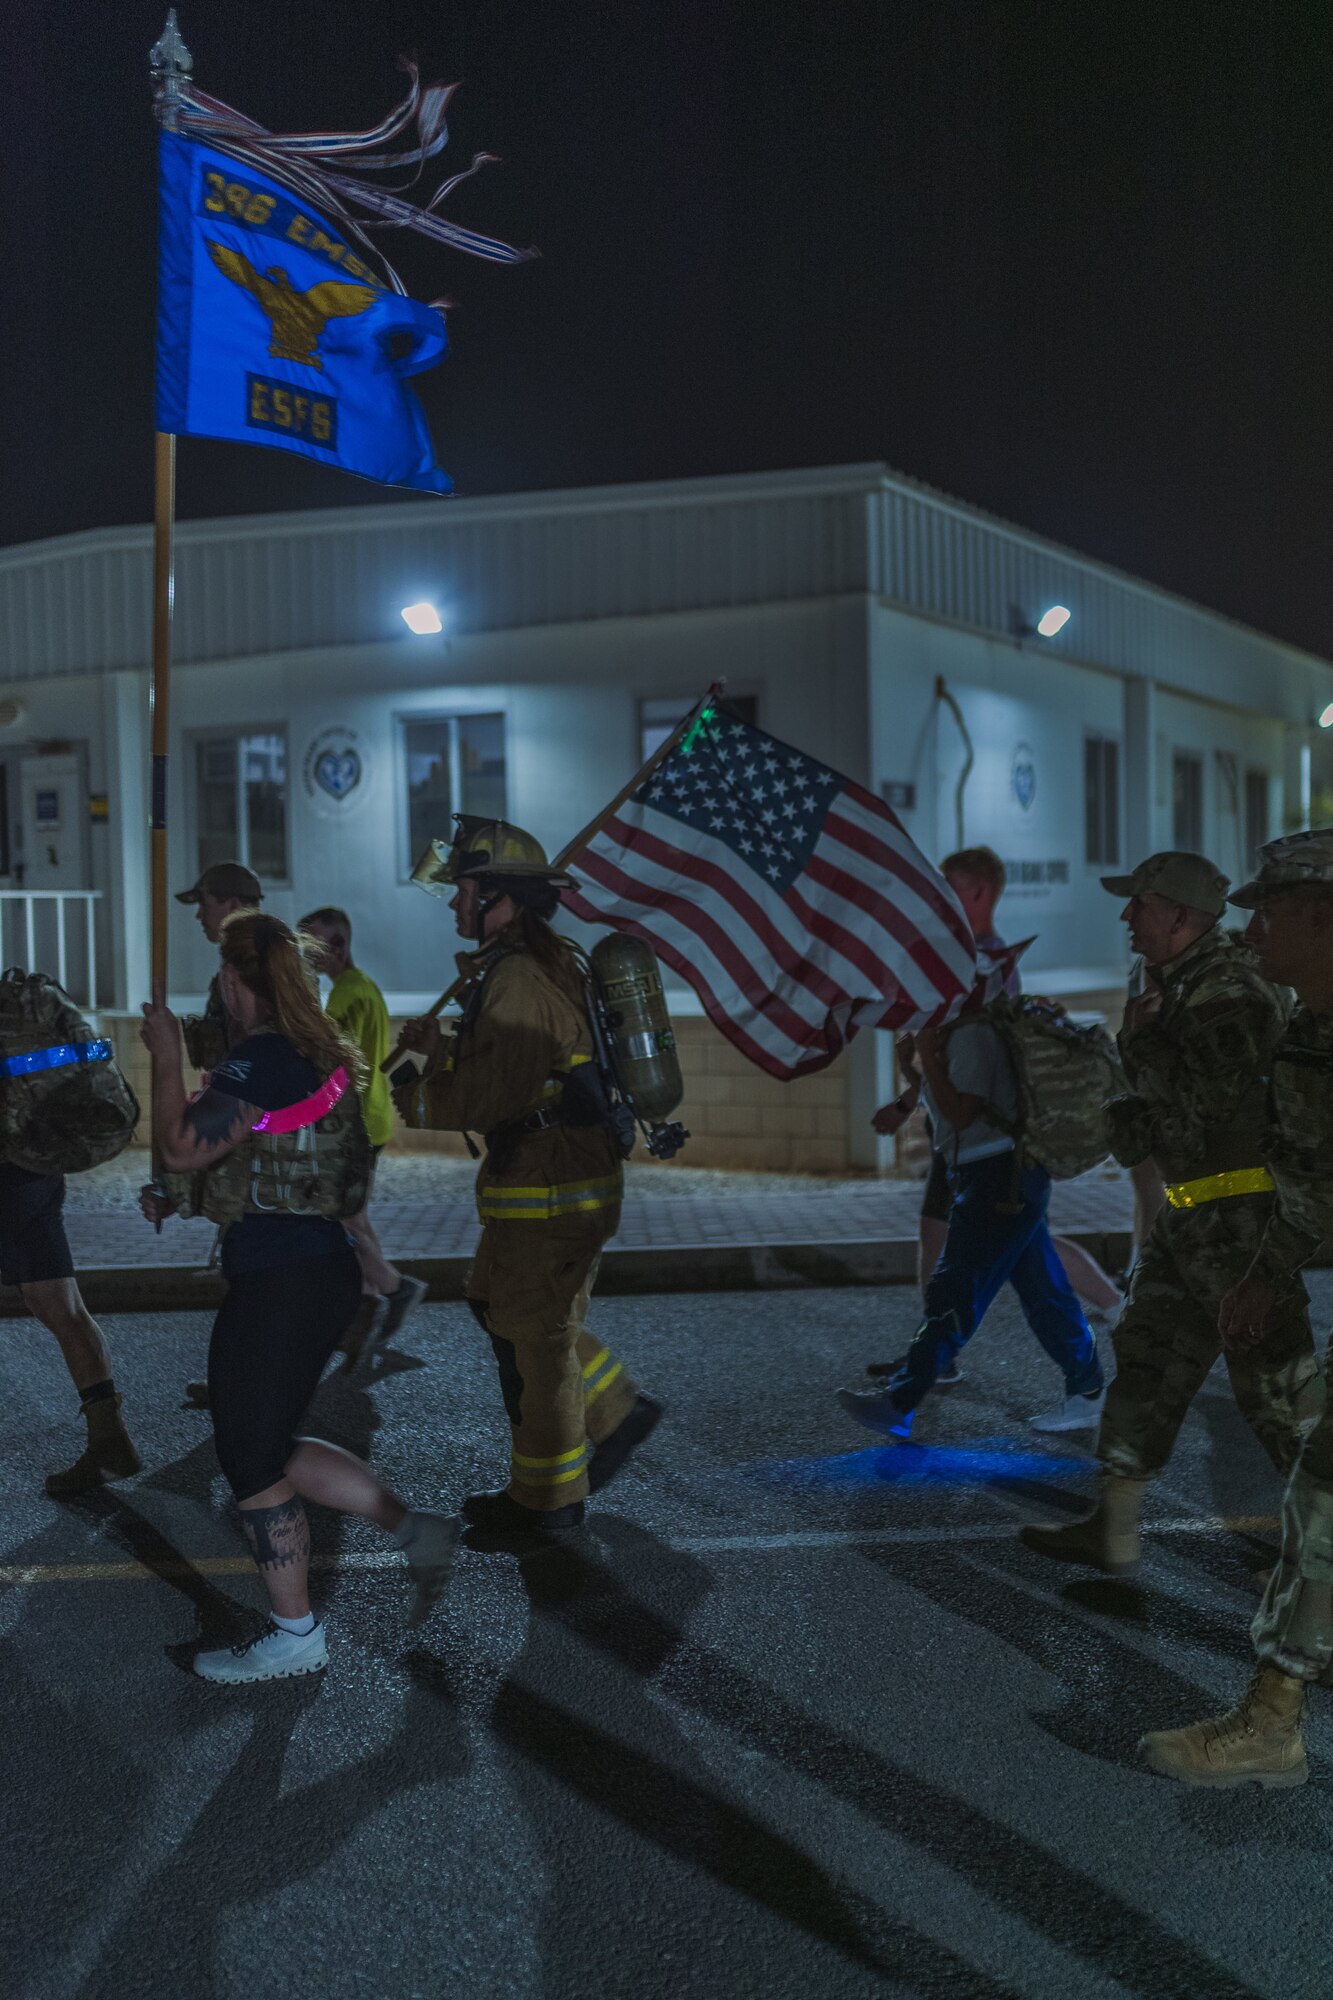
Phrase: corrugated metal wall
(278, 583)
(933, 556)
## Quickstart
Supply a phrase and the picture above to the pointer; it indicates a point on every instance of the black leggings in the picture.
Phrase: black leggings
(271, 1340)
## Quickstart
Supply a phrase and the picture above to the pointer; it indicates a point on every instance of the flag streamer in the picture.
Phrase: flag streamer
(307, 162)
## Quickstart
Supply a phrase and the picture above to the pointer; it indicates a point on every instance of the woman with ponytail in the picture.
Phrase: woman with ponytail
(274, 1149)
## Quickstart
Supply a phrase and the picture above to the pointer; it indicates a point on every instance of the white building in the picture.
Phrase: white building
(315, 737)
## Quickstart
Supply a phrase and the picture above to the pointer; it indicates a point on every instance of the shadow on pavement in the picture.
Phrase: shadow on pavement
(251, 1842)
(1112, 1690)
(597, 1729)
(91, 1791)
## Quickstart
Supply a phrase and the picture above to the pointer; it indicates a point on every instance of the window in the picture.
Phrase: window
(657, 719)
(1101, 800)
(454, 764)
(1187, 801)
(1256, 815)
(241, 802)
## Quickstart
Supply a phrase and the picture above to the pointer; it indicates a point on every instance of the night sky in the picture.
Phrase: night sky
(1073, 263)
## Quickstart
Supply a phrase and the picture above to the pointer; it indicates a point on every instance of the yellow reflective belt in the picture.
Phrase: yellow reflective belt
(590, 1368)
(544, 1204)
(1216, 1187)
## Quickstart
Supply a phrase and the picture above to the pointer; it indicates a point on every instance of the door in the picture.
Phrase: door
(42, 931)
(53, 814)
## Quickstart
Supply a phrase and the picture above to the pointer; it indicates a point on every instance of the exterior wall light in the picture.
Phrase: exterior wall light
(422, 618)
(1053, 621)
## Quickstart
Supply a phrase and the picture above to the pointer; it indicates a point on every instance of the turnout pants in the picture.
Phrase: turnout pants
(563, 1390)
(1167, 1341)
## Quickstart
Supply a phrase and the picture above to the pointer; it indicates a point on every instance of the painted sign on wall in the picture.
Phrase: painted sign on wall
(336, 772)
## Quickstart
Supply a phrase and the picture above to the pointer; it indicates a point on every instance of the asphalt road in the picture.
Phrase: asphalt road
(801, 1720)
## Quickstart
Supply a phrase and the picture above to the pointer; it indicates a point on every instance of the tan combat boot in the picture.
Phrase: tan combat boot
(109, 1453)
(1107, 1540)
(1259, 1740)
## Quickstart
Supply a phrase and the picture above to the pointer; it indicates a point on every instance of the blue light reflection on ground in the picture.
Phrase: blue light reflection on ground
(987, 1462)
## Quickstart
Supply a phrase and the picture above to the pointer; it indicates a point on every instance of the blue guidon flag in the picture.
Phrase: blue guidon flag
(271, 330)
(279, 320)
(789, 897)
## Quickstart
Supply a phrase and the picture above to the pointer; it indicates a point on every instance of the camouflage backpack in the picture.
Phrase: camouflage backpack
(64, 1105)
(1064, 1074)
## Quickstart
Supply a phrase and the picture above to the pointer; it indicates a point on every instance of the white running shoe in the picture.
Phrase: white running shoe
(1075, 1413)
(272, 1655)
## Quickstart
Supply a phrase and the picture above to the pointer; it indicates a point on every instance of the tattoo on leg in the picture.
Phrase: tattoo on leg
(278, 1535)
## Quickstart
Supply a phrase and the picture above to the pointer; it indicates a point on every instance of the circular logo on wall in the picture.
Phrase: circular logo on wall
(336, 772)
(1023, 776)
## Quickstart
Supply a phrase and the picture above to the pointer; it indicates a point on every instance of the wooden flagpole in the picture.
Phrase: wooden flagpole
(594, 826)
(170, 62)
(164, 586)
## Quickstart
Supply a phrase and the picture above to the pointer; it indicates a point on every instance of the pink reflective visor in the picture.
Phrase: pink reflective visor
(309, 1111)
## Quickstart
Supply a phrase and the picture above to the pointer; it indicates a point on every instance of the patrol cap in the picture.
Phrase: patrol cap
(1191, 879)
(1297, 861)
(222, 881)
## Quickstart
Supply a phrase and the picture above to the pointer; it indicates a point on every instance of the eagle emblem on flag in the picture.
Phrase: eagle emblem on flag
(296, 319)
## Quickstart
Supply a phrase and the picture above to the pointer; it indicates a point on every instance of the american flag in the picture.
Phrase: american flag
(788, 896)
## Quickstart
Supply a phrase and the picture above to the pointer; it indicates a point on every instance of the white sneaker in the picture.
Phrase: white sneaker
(272, 1655)
(1075, 1413)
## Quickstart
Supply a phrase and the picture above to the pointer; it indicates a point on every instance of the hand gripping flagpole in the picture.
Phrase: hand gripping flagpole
(594, 826)
(171, 62)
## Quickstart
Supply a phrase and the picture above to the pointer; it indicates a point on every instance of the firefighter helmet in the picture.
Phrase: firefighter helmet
(483, 849)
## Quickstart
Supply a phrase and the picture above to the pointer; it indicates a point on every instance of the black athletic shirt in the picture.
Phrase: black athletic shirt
(265, 1070)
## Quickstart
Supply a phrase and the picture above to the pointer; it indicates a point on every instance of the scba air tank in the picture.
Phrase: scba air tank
(643, 1044)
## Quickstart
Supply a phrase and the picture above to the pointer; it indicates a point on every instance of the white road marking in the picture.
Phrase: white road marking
(694, 1545)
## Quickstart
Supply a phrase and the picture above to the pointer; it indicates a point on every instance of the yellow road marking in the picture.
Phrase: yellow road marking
(810, 1538)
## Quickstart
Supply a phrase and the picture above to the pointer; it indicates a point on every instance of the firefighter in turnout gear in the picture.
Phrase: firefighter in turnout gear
(1260, 1740)
(1198, 1051)
(522, 1072)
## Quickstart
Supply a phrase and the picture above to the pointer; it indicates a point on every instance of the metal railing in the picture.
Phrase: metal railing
(53, 931)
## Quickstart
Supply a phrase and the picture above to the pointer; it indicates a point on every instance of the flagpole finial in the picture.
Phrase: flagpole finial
(171, 63)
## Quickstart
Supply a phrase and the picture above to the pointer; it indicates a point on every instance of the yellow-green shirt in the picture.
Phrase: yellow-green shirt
(357, 1005)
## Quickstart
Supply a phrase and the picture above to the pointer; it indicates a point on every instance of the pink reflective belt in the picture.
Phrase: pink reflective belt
(309, 1111)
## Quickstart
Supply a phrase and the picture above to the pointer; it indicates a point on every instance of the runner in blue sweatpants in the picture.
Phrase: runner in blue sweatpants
(997, 1236)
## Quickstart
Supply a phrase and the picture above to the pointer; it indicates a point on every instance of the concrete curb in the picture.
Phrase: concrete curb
(701, 1267)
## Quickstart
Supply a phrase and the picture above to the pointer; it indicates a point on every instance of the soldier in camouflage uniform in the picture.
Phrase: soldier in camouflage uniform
(1292, 931)
(1197, 1050)
(220, 891)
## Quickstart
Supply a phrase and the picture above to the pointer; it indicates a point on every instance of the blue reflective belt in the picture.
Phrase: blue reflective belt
(60, 1057)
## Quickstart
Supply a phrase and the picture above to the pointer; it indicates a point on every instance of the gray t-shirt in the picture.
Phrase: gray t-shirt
(979, 1065)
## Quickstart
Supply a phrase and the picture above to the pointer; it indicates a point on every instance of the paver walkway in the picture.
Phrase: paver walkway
(713, 1211)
